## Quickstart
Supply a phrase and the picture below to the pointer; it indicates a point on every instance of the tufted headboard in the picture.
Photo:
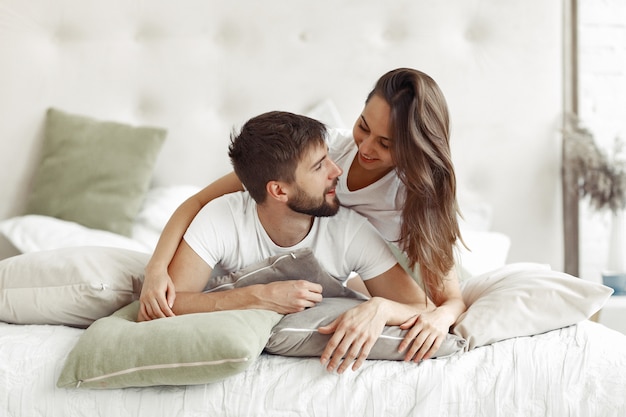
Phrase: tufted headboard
(201, 67)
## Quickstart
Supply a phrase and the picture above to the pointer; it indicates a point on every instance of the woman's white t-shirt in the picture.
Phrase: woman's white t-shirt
(381, 202)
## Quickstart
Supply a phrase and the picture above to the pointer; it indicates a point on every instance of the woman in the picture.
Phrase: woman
(398, 173)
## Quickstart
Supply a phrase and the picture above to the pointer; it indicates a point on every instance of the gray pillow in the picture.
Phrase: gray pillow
(299, 264)
(92, 172)
(296, 334)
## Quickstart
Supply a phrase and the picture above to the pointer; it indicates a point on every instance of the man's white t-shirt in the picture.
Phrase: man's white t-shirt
(381, 203)
(227, 231)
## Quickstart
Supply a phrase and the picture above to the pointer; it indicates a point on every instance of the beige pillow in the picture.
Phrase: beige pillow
(524, 299)
(117, 352)
(94, 172)
(71, 286)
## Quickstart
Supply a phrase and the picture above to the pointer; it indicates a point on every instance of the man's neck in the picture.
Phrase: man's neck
(284, 226)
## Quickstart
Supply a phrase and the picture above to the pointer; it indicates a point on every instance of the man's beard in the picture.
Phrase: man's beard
(306, 204)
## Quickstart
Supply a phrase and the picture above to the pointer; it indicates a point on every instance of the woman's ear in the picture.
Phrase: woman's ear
(276, 190)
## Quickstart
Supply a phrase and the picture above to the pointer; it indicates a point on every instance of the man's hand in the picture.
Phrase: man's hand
(286, 297)
(354, 334)
(157, 297)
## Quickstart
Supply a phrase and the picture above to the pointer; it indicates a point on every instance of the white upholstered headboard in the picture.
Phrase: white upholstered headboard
(201, 67)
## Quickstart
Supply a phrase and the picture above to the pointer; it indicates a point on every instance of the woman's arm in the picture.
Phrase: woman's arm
(158, 294)
(450, 300)
(450, 306)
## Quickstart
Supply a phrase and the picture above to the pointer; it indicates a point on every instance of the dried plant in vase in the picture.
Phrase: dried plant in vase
(601, 179)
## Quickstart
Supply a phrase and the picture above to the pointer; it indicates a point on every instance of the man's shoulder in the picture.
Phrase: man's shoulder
(237, 200)
(229, 205)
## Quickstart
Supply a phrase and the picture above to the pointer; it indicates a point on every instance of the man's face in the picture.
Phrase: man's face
(316, 179)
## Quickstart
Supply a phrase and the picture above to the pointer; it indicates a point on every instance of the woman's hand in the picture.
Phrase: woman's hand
(354, 334)
(157, 296)
(427, 331)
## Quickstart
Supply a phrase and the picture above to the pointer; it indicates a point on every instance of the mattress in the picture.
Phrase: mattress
(575, 371)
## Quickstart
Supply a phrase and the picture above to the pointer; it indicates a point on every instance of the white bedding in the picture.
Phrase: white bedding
(575, 371)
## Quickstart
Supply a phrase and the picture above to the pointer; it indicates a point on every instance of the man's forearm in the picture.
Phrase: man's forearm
(283, 297)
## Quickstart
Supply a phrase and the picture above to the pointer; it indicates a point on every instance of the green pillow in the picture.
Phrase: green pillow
(117, 352)
(92, 172)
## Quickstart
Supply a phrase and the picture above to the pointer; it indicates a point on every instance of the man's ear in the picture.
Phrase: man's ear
(277, 190)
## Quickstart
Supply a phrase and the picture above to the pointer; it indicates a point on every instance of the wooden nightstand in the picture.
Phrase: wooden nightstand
(613, 314)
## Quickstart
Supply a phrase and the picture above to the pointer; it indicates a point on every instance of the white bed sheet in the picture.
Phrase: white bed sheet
(575, 371)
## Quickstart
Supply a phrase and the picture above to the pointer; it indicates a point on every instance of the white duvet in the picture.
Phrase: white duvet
(575, 371)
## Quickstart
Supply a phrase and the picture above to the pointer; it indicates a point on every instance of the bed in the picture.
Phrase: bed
(177, 78)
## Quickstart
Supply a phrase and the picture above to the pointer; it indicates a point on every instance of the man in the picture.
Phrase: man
(290, 203)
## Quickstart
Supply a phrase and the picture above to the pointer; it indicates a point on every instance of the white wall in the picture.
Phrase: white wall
(200, 67)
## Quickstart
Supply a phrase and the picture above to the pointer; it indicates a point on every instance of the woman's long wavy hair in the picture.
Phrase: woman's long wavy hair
(420, 126)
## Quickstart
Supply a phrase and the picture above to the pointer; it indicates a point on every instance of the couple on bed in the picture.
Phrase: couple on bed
(394, 169)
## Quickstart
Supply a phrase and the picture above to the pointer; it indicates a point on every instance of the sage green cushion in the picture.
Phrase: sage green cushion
(117, 352)
(92, 172)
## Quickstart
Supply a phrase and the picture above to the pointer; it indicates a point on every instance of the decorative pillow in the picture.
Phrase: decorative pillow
(524, 299)
(117, 352)
(92, 172)
(299, 264)
(296, 334)
(70, 286)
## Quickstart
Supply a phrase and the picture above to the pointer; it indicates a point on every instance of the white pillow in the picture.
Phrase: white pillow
(524, 299)
(71, 286)
(32, 233)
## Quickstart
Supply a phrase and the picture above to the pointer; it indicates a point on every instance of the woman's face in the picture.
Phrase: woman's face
(373, 136)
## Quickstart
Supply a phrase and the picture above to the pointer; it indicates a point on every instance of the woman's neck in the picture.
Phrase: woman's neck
(358, 178)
